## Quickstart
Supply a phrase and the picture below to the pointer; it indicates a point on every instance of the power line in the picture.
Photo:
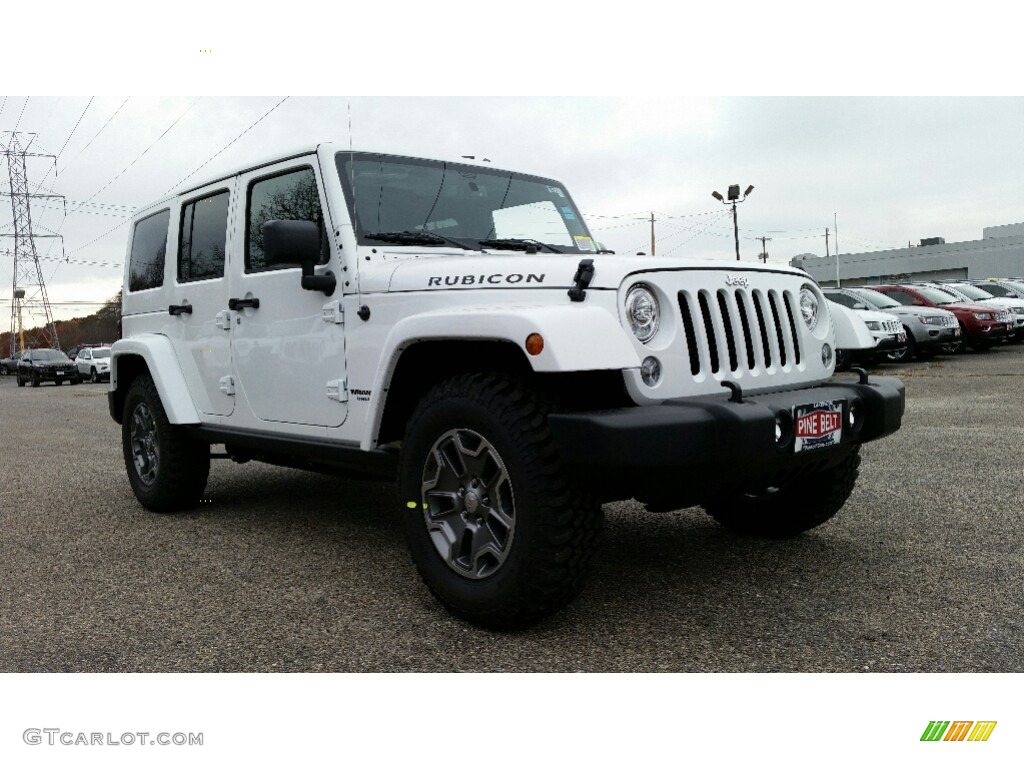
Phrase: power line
(22, 113)
(253, 125)
(158, 138)
(75, 128)
(97, 134)
(63, 260)
(94, 194)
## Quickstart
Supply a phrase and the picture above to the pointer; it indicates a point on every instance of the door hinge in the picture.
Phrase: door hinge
(223, 319)
(333, 312)
(336, 391)
(227, 386)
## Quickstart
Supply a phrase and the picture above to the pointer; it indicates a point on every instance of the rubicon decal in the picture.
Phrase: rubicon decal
(496, 279)
(958, 730)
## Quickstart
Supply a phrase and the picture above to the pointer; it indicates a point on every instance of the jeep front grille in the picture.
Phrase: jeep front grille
(734, 330)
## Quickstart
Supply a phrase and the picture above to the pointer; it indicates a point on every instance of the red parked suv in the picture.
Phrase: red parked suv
(983, 326)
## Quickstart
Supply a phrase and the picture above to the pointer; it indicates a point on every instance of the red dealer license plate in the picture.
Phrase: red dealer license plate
(818, 425)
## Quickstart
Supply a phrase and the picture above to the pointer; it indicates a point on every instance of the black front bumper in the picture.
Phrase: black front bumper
(683, 451)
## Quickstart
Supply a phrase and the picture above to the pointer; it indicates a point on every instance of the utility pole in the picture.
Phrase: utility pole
(652, 233)
(764, 248)
(835, 222)
(28, 287)
(826, 242)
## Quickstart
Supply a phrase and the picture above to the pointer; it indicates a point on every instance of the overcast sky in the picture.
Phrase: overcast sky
(884, 171)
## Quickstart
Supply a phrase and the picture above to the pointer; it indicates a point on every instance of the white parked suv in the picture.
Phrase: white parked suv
(93, 363)
(864, 335)
(456, 327)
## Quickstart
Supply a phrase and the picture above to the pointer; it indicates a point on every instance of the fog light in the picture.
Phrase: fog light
(650, 371)
(783, 428)
(856, 417)
(826, 355)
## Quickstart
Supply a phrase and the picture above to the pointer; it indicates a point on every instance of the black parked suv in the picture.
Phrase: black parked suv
(39, 365)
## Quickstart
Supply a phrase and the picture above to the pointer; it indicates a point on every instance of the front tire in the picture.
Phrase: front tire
(843, 360)
(789, 511)
(498, 533)
(166, 468)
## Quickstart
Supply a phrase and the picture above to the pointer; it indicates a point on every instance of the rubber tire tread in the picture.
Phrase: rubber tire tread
(184, 462)
(799, 507)
(560, 531)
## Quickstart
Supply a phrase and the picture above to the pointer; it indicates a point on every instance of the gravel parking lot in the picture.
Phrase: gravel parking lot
(281, 570)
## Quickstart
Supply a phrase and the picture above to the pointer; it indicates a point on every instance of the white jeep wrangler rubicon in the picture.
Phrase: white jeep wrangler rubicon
(457, 327)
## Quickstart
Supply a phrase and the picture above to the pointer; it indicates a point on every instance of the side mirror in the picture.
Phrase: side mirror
(858, 305)
(297, 242)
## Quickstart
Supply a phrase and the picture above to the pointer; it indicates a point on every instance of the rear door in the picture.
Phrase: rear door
(200, 322)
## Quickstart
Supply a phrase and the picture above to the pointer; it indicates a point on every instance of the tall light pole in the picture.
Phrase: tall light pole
(734, 197)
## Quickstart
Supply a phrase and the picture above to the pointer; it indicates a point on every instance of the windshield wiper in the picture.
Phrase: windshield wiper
(415, 238)
(519, 244)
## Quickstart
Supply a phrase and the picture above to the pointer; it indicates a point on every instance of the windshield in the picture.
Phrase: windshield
(936, 296)
(1019, 287)
(971, 292)
(408, 201)
(98, 354)
(47, 355)
(876, 298)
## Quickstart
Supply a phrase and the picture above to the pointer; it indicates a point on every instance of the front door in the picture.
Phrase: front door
(288, 344)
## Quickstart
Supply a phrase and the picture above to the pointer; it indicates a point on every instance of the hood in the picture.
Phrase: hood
(53, 364)
(970, 306)
(511, 269)
(876, 315)
(916, 311)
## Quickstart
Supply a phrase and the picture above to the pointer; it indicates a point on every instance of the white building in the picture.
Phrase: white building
(1000, 253)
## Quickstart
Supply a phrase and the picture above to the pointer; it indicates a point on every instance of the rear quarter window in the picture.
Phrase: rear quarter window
(149, 251)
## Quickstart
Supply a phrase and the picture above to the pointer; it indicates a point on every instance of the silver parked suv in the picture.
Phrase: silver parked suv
(929, 330)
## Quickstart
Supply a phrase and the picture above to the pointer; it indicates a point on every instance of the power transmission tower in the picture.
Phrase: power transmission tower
(28, 288)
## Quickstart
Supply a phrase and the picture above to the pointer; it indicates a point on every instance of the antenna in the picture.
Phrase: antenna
(352, 186)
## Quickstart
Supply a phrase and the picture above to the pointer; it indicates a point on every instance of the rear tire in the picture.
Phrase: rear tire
(498, 533)
(791, 510)
(166, 468)
(93, 377)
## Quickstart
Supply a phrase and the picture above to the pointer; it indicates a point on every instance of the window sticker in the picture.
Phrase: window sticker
(584, 243)
(567, 213)
(556, 191)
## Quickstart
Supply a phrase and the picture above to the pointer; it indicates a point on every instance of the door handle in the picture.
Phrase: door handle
(179, 309)
(235, 304)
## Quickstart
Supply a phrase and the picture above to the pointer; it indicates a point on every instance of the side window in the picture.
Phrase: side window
(201, 247)
(290, 195)
(149, 249)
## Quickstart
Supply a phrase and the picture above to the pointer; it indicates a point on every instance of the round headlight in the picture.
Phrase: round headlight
(809, 307)
(643, 312)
